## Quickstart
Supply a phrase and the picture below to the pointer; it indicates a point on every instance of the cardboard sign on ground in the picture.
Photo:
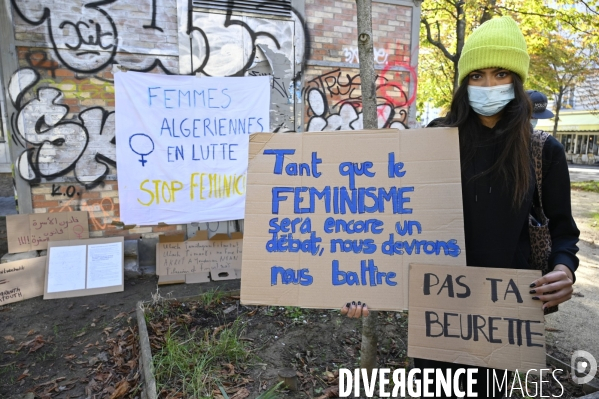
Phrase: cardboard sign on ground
(338, 216)
(22, 279)
(33, 231)
(84, 267)
(197, 259)
(476, 316)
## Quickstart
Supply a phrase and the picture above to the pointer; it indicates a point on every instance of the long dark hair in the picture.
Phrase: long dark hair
(513, 162)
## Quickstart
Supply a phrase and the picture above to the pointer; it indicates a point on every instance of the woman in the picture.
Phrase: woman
(492, 113)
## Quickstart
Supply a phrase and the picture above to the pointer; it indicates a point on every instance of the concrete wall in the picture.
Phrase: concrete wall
(63, 93)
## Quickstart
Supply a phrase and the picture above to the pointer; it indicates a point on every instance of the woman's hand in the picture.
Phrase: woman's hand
(355, 310)
(554, 287)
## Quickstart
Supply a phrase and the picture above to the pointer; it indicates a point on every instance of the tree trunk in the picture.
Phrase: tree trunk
(366, 56)
(369, 342)
(369, 114)
(558, 106)
(460, 31)
(488, 11)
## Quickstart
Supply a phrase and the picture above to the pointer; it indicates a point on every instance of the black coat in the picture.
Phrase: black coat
(496, 234)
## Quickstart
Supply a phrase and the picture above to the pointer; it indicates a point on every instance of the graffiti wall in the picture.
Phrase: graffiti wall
(332, 94)
(229, 44)
(62, 93)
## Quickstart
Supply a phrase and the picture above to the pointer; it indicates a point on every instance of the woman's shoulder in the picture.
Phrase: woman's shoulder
(553, 154)
(552, 146)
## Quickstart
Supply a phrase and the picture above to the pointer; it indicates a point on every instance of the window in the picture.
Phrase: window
(280, 8)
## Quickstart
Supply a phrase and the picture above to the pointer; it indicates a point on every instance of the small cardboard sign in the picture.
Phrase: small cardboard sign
(337, 216)
(30, 232)
(22, 279)
(191, 261)
(483, 317)
(84, 267)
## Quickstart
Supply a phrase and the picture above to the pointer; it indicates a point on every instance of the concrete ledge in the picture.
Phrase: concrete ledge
(20, 256)
(147, 366)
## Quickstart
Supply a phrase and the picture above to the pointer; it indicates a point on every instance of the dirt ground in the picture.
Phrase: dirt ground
(314, 343)
(71, 348)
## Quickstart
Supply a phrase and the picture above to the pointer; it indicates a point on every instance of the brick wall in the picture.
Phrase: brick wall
(332, 82)
(65, 92)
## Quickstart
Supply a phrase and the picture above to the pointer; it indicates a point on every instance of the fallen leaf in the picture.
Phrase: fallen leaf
(120, 390)
(81, 334)
(241, 394)
(330, 392)
(230, 369)
(10, 352)
(118, 316)
(30, 332)
(9, 338)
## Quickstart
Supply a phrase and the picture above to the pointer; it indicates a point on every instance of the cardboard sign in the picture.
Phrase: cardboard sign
(192, 261)
(33, 231)
(22, 280)
(338, 216)
(184, 142)
(476, 316)
(84, 267)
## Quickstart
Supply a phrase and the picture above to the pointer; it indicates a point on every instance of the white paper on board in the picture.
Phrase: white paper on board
(104, 265)
(66, 268)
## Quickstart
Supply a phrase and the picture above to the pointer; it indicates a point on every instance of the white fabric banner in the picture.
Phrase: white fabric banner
(182, 145)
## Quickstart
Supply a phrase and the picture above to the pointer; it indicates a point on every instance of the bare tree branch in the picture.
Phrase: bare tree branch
(589, 7)
(436, 43)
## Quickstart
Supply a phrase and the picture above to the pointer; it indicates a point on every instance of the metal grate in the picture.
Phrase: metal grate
(280, 8)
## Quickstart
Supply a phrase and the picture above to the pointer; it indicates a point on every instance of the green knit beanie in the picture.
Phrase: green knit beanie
(498, 43)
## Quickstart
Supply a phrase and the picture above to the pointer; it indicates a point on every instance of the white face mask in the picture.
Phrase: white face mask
(534, 122)
(489, 101)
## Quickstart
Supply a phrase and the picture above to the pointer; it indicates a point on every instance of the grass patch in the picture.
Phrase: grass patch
(592, 186)
(196, 363)
(211, 297)
(595, 217)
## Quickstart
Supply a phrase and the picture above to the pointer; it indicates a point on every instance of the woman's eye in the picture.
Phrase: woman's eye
(475, 76)
(502, 74)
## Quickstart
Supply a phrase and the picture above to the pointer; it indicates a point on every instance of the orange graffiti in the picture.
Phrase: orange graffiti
(106, 206)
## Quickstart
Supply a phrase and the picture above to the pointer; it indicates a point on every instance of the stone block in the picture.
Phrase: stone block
(131, 249)
(132, 268)
(147, 251)
(25, 255)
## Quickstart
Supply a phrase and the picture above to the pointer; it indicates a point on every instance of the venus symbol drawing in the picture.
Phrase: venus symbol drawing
(142, 145)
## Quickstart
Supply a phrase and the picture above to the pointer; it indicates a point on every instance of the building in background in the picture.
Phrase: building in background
(578, 125)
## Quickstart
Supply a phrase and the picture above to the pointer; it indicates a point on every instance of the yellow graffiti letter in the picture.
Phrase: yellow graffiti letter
(192, 184)
(176, 186)
(141, 187)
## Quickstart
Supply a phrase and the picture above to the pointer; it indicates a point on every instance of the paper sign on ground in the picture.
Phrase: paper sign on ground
(22, 279)
(197, 258)
(33, 231)
(84, 267)
(338, 216)
(476, 316)
(184, 143)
